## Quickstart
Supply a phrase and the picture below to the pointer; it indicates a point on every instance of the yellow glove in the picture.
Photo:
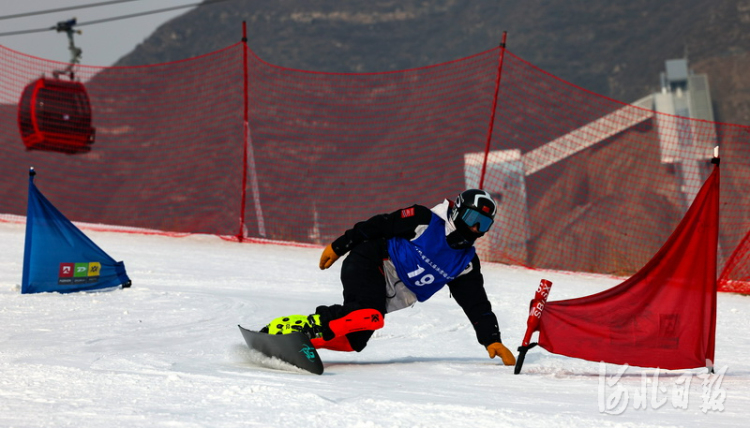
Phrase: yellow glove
(328, 257)
(498, 349)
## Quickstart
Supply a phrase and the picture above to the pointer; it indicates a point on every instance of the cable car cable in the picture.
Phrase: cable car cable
(63, 9)
(115, 18)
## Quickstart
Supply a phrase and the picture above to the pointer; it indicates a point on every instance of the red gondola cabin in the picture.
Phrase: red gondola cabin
(55, 115)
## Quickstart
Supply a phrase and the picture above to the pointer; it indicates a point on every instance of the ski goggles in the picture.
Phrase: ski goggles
(471, 217)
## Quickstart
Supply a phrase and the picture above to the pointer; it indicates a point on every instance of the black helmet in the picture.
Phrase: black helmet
(474, 207)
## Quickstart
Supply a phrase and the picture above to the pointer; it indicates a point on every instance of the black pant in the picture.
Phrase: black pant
(364, 287)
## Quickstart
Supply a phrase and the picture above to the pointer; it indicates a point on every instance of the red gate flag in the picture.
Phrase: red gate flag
(663, 316)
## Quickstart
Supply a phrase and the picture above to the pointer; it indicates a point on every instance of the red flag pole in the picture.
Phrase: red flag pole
(536, 307)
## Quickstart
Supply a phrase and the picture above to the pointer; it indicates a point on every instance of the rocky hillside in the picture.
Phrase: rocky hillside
(616, 48)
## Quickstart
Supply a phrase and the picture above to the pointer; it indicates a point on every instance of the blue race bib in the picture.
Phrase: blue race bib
(426, 263)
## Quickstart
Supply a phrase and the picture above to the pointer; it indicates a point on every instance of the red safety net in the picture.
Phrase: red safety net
(168, 149)
(228, 144)
(663, 316)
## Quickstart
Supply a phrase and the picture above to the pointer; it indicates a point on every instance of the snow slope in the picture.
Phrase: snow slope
(167, 352)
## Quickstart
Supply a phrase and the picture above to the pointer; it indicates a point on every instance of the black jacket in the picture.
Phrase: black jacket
(467, 289)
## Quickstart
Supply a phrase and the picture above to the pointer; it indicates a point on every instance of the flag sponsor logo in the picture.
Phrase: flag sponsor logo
(66, 270)
(79, 273)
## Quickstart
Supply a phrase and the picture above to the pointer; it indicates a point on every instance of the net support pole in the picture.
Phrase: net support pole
(241, 233)
(249, 154)
(494, 108)
(248, 157)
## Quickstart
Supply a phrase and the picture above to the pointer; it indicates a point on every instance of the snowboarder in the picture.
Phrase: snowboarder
(398, 259)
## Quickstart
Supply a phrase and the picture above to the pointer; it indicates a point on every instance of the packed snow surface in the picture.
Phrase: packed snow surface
(167, 352)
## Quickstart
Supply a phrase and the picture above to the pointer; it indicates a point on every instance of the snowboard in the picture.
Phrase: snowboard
(293, 348)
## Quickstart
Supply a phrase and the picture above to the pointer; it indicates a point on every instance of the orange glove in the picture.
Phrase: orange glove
(498, 349)
(328, 257)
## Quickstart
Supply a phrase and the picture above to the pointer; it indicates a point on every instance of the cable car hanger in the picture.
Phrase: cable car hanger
(75, 51)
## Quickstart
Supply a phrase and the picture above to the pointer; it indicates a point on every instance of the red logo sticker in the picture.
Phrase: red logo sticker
(408, 212)
(486, 209)
(66, 270)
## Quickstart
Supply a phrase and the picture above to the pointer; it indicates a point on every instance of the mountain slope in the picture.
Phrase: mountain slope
(615, 49)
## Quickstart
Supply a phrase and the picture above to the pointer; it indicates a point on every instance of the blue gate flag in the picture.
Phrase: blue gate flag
(58, 257)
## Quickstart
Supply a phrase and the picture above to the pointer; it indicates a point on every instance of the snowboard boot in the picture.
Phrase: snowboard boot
(308, 325)
(348, 332)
